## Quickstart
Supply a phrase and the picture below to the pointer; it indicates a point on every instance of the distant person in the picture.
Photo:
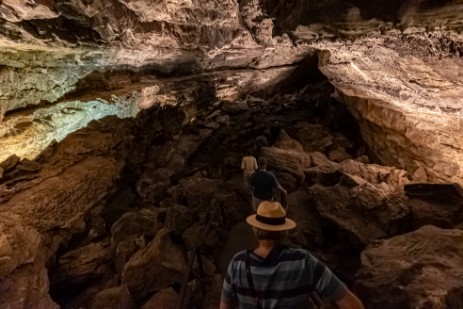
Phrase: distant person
(273, 276)
(261, 141)
(263, 183)
(249, 166)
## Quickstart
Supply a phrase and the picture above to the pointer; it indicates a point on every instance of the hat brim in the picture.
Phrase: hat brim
(288, 225)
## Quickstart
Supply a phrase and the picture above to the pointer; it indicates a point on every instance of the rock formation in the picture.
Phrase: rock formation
(122, 124)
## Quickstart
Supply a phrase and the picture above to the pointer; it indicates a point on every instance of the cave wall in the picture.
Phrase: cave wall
(408, 107)
(395, 65)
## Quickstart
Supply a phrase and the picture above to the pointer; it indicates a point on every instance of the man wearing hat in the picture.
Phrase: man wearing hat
(275, 276)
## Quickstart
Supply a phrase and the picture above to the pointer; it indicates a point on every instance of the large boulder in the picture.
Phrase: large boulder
(284, 141)
(290, 161)
(437, 204)
(24, 278)
(367, 211)
(82, 265)
(166, 299)
(159, 265)
(113, 298)
(314, 137)
(421, 269)
(143, 223)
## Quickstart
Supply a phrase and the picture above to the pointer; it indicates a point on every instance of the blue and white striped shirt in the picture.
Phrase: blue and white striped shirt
(284, 279)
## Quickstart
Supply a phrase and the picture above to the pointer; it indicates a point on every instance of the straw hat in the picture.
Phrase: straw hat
(271, 216)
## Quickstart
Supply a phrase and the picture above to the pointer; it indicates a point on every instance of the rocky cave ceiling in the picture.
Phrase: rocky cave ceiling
(396, 65)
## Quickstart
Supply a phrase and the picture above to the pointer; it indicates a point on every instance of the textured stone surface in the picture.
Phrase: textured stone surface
(50, 204)
(113, 298)
(408, 107)
(421, 269)
(82, 265)
(154, 267)
(394, 66)
(165, 298)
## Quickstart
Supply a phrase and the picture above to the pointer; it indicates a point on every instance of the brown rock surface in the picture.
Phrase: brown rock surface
(157, 266)
(392, 65)
(50, 205)
(218, 73)
(113, 298)
(420, 269)
(165, 298)
(82, 265)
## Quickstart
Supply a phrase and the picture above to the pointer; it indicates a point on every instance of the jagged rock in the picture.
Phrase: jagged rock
(194, 234)
(185, 147)
(28, 166)
(165, 298)
(340, 140)
(124, 250)
(285, 142)
(437, 204)
(82, 265)
(143, 223)
(288, 181)
(19, 245)
(309, 223)
(366, 160)
(290, 161)
(234, 107)
(318, 158)
(26, 287)
(93, 175)
(200, 191)
(435, 192)
(152, 186)
(68, 188)
(396, 179)
(206, 268)
(400, 127)
(415, 270)
(179, 218)
(130, 232)
(113, 298)
(420, 175)
(362, 208)
(123, 201)
(159, 265)
(314, 137)
(9, 163)
(212, 295)
(339, 154)
(194, 293)
(24, 282)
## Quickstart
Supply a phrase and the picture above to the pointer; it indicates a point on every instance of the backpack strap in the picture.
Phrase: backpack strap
(250, 281)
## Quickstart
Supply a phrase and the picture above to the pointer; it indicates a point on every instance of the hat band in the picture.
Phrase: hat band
(271, 221)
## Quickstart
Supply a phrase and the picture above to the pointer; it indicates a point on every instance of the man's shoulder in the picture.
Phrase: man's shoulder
(271, 173)
(240, 256)
(264, 173)
(296, 253)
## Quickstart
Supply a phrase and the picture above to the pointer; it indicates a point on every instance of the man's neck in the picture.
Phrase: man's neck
(264, 248)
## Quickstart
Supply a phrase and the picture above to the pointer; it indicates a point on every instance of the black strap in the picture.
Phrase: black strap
(250, 281)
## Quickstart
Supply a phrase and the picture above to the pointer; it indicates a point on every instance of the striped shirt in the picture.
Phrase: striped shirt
(284, 279)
